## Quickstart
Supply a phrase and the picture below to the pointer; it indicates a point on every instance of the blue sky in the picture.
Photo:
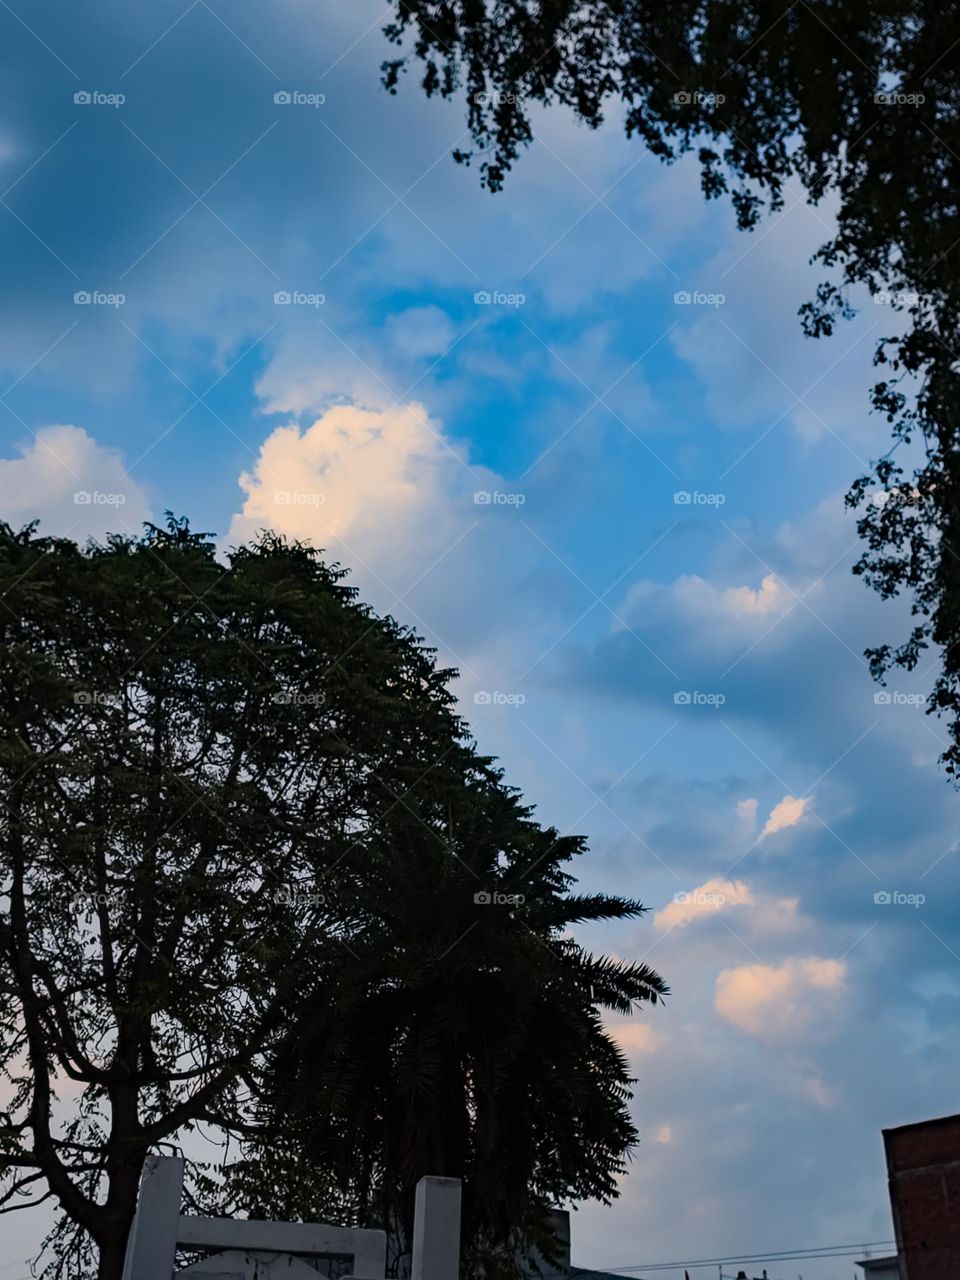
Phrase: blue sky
(682, 681)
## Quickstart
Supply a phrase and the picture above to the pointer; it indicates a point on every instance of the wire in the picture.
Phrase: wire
(775, 1255)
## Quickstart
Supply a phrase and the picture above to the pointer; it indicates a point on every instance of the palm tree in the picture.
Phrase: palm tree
(461, 1033)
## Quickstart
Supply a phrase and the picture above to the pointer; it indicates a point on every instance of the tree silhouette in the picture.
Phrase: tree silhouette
(857, 102)
(220, 789)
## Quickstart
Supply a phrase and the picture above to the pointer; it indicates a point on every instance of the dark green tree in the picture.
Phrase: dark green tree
(858, 102)
(466, 1038)
(208, 776)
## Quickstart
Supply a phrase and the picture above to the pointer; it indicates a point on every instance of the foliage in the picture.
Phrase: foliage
(466, 1039)
(205, 781)
(858, 103)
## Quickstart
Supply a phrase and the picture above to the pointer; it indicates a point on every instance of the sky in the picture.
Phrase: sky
(573, 434)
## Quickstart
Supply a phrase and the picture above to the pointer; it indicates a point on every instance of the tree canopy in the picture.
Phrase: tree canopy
(256, 879)
(466, 1037)
(857, 102)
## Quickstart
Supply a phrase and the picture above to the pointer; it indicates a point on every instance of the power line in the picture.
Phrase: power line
(775, 1255)
(753, 1261)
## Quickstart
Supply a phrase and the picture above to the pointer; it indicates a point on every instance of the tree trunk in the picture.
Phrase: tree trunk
(112, 1253)
(124, 1182)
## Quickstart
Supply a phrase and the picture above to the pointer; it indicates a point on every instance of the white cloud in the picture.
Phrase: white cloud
(775, 1001)
(377, 482)
(391, 497)
(749, 354)
(786, 813)
(769, 597)
(732, 615)
(75, 487)
(312, 371)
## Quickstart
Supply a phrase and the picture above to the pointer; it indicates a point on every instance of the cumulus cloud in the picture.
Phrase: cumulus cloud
(74, 486)
(712, 896)
(768, 913)
(369, 479)
(773, 1001)
(395, 500)
(736, 615)
(769, 597)
(787, 813)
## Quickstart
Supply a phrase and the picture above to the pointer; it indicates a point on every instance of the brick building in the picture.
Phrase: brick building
(923, 1164)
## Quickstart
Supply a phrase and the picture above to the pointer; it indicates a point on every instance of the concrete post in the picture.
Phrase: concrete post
(436, 1230)
(152, 1246)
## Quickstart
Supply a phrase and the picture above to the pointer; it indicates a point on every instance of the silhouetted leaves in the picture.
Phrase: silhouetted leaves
(241, 832)
(859, 103)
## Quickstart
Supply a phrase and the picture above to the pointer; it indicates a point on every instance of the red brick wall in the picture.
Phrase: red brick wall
(923, 1163)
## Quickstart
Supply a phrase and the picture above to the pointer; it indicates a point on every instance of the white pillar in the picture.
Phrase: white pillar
(152, 1246)
(436, 1230)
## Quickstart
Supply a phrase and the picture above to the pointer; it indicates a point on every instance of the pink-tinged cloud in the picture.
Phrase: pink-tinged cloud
(636, 1037)
(766, 914)
(707, 899)
(786, 814)
(776, 1001)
